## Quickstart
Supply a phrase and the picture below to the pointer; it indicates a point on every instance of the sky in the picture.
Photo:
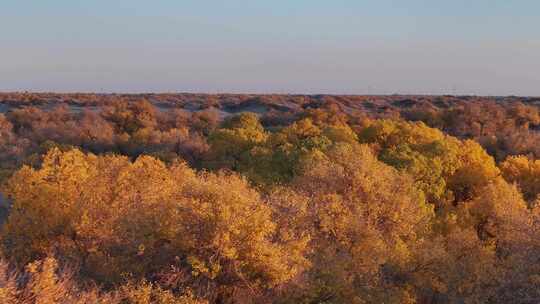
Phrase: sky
(481, 47)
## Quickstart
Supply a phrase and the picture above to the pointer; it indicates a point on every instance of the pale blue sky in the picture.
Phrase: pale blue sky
(487, 47)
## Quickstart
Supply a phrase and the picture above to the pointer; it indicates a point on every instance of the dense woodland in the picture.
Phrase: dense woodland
(192, 198)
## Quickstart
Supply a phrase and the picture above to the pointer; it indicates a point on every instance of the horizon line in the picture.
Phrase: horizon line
(258, 93)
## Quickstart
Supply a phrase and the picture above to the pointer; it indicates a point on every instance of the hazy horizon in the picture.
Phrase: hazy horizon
(68, 92)
(489, 48)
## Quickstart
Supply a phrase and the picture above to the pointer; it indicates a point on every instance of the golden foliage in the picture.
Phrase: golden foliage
(309, 212)
(115, 218)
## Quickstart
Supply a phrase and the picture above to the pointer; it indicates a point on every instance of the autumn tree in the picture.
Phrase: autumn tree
(525, 172)
(445, 168)
(365, 217)
(230, 145)
(114, 217)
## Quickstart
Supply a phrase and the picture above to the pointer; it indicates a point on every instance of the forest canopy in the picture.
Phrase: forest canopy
(268, 199)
